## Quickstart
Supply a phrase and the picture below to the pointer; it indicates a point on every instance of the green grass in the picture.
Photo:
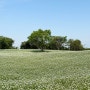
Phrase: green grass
(50, 70)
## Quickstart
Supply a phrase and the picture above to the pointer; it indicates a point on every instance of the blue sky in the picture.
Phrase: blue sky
(71, 18)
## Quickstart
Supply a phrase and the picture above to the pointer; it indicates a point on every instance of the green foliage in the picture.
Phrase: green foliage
(57, 42)
(40, 38)
(6, 43)
(86, 48)
(75, 45)
(52, 70)
(27, 45)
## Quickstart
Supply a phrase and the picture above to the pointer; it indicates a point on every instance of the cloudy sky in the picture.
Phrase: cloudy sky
(71, 18)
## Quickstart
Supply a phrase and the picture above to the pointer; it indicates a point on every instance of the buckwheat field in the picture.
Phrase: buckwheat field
(49, 70)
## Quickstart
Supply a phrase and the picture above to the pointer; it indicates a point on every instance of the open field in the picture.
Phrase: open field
(50, 70)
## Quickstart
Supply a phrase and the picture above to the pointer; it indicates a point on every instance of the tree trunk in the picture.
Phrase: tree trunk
(42, 49)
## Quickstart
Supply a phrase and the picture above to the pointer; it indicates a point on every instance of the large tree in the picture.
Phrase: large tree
(6, 43)
(40, 38)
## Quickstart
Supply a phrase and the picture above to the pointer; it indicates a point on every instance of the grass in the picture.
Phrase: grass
(50, 70)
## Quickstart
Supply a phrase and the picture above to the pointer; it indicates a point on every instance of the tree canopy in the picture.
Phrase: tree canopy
(75, 45)
(40, 38)
(27, 45)
(6, 43)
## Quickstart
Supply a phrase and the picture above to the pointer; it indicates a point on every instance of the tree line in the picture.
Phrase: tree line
(42, 39)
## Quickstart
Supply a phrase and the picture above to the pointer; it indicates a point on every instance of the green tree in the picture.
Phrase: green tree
(57, 42)
(40, 38)
(69, 42)
(27, 45)
(75, 45)
(6, 43)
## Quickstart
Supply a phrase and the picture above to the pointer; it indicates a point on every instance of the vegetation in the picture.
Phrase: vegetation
(40, 38)
(57, 42)
(50, 70)
(75, 45)
(28, 45)
(6, 43)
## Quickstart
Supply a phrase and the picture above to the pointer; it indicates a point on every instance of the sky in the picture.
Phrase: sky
(71, 18)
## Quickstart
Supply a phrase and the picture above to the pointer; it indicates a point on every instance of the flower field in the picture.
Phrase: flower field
(49, 70)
